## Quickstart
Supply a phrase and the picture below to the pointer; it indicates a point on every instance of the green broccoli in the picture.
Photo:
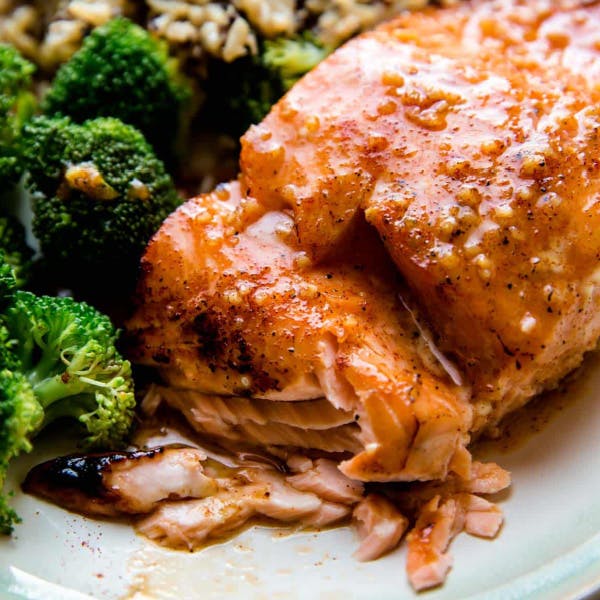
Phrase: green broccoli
(243, 92)
(57, 359)
(99, 192)
(16, 251)
(122, 72)
(292, 58)
(20, 416)
(17, 103)
(8, 284)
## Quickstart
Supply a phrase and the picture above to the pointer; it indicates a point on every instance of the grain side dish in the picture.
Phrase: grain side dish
(49, 32)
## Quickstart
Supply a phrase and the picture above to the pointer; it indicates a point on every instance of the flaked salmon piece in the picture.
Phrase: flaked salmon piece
(483, 518)
(336, 440)
(329, 513)
(439, 521)
(325, 480)
(282, 502)
(462, 464)
(234, 410)
(427, 561)
(231, 308)
(484, 478)
(380, 527)
(299, 463)
(195, 406)
(303, 424)
(170, 473)
(192, 523)
(424, 427)
(116, 483)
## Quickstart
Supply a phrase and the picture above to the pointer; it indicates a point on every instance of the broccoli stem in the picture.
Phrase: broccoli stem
(69, 406)
(42, 369)
(54, 389)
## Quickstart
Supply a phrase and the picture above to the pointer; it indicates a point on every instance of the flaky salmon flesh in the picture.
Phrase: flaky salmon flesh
(411, 251)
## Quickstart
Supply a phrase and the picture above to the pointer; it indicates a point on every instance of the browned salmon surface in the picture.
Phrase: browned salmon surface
(257, 347)
(469, 140)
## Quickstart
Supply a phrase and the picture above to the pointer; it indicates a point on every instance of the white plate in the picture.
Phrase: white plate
(549, 547)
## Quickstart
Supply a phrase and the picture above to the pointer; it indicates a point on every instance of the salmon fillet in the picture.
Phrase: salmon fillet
(257, 347)
(448, 135)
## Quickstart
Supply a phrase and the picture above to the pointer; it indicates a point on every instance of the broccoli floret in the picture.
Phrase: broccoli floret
(122, 72)
(15, 249)
(67, 351)
(99, 191)
(292, 58)
(20, 416)
(243, 92)
(17, 103)
(8, 285)
(58, 359)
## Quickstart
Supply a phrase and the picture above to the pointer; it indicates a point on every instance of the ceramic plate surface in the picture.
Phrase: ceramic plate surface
(549, 547)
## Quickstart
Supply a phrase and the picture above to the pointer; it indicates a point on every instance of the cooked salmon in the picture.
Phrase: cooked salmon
(324, 353)
(468, 139)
